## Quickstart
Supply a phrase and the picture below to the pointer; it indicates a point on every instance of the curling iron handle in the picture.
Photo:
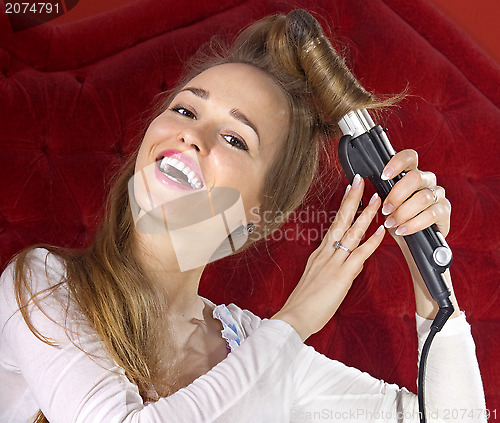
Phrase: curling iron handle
(365, 149)
(431, 253)
(432, 273)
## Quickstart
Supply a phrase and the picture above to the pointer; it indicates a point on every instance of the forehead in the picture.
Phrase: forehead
(242, 79)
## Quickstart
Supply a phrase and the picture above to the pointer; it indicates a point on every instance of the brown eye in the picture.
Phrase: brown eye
(184, 112)
(236, 142)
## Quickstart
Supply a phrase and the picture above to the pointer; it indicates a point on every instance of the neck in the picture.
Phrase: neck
(158, 259)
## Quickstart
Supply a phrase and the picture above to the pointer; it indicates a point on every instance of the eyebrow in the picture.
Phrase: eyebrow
(235, 113)
(242, 118)
(199, 92)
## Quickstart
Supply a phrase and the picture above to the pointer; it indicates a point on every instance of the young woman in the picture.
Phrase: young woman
(118, 333)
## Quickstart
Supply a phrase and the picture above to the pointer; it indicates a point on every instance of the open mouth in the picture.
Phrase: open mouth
(179, 172)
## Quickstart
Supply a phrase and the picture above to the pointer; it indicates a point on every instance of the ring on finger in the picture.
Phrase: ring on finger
(433, 190)
(338, 246)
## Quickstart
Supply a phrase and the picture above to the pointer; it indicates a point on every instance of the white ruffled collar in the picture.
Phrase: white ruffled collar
(231, 331)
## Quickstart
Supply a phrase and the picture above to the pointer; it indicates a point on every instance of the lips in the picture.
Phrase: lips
(179, 169)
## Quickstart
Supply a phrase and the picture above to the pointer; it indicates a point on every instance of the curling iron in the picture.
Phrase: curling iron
(365, 150)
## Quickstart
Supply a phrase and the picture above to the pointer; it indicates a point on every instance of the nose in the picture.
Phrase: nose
(196, 137)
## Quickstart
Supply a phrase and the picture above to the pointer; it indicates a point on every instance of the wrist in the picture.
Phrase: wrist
(290, 319)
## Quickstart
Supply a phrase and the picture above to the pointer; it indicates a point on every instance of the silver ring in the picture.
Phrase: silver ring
(436, 199)
(337, 245)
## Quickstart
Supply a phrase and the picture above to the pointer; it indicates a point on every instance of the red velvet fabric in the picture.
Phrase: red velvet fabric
(71, 103)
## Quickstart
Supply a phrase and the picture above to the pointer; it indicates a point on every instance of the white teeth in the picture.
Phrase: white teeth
(191, 176)
(195, 182)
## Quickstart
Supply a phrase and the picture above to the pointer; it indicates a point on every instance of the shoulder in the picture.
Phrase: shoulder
(36, 259)
(38, 268)
(39, 259)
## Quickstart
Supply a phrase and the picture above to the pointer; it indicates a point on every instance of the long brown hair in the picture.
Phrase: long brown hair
(106, 280)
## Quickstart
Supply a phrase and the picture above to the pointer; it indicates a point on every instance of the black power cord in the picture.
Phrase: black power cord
(441, 317)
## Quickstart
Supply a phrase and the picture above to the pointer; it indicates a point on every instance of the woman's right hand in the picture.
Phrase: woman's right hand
(329, 272)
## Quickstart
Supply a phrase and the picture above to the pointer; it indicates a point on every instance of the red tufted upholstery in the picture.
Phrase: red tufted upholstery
(71, 98)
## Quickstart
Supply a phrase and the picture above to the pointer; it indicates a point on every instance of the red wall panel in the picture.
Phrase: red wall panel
(480, 19)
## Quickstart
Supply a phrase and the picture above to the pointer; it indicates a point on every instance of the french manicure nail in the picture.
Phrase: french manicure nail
(387, 174)
(401, 230)
(373, 199)
(387, 209)
(379, 230)
(389, 223)
(356, 183)
(347, 190)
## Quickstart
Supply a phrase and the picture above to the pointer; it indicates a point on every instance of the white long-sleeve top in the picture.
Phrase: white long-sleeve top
(271, 377)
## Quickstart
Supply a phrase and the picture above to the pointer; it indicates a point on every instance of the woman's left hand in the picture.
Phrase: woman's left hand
(416, 201)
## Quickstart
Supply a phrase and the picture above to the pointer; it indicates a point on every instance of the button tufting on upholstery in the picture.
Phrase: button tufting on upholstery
(80, 78)
(164, 87)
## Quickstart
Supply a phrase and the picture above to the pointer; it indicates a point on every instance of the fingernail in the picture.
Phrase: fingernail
(356, 183)
(373, 199)
(389, 223)
(347, 190)
(379, 230)
(387, 209)
(401, 230)
(387, 174)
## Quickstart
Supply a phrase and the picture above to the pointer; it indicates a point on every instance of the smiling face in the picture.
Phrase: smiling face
(224, 129)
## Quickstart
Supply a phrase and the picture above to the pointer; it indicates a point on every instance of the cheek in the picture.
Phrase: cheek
(140, 161)
(144, 149)
(157, 132)
(237, 170)
(252, 187)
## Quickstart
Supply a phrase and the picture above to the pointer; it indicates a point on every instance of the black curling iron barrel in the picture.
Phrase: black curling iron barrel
(365, 150)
